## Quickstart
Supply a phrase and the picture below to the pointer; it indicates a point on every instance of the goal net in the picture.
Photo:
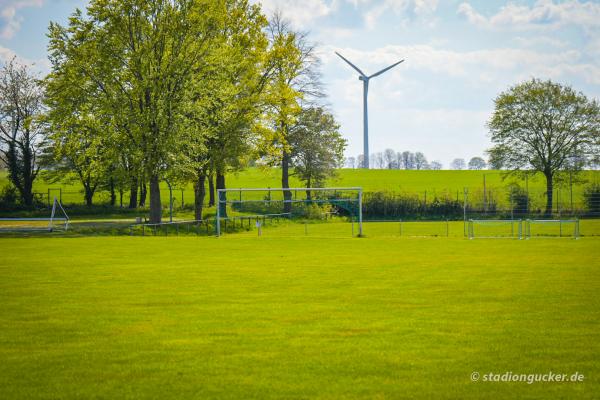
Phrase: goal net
(559, 228)
(253, 208)
(58, 221)
(495, 228)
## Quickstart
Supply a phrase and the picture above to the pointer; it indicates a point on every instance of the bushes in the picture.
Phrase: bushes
(519, 200)
(386, 205)
(8, 197)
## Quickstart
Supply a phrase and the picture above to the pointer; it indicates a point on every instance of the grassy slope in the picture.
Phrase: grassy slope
(245, 318)
(417, 182)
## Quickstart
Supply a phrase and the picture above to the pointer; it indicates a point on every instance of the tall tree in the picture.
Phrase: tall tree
(295, 80)
(229, 95)
(140, 57)
(21, 132)
(541, 126)
(317, 147)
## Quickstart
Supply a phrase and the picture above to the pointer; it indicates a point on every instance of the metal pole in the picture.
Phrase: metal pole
(218, 215)
(465, 192)
(360, 220)
(365, 123)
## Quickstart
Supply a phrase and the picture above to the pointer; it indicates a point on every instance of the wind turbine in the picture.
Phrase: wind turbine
(365, 80)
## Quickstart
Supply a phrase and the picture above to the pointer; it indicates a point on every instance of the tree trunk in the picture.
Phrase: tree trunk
(199, 194)
(155, 204)
(223, 196)
(121, 197)
(143, 194)
(211, 190)
(113, 195)
(549, 189)
(308, 193)
(89, 195)
(133, 190)
(285, 182)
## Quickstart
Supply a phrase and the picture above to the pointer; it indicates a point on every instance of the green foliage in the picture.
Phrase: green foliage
(388, 205)
(519, 199)
(317, 147)
(8, 196)
(544, 126)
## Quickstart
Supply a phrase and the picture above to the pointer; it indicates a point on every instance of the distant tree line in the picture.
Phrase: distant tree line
(391, 159)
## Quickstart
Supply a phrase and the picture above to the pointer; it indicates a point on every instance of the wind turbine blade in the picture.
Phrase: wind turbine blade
(385, 69)
(352, 65)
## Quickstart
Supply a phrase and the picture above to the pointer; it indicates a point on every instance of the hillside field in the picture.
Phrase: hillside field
(243, 317)
(435, 183)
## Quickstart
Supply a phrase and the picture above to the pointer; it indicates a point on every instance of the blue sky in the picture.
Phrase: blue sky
(459, 55)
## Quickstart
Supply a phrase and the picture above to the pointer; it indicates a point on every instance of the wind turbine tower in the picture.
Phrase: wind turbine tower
(365, 79)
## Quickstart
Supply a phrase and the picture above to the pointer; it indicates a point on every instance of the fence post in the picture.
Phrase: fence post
(465, 193)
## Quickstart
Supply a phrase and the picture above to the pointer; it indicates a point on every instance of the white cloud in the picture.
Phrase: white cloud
(10, 20)
(543, 14)
(478, 66)
(299, 12)
(406, 8)
(41, 66)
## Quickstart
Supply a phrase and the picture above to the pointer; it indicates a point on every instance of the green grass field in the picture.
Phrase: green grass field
(435, 183)
(243, 317)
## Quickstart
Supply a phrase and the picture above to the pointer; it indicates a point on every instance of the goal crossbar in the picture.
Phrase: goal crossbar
(559, 222)
(497, 223)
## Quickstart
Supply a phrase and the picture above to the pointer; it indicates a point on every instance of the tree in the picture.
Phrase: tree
(295, 80)
(540, 126)
(458, 164)
(378, 161)
(21, 132)
(226, 98)
(477, 163)
(421, 161)
(436, 165)
(389, 157)
(351, 162)
(408, 160)
(140, 57)
(317, 147)
(360, 161)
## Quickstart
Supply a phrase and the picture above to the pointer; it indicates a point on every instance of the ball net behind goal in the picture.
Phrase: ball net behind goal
(253, 207)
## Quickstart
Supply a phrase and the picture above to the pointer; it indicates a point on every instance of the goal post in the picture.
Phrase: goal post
(58, 220)
(287, 202)
(495, 228)
(559, 228)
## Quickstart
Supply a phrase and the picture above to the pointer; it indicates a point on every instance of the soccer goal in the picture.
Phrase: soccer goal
(58, 220)
(558, 228)
(244, 208)
(495, 228)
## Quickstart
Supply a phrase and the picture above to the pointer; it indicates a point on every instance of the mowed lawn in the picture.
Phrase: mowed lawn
(296, 318)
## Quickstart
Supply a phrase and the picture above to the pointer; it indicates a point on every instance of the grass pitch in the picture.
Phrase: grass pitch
(242, 317)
